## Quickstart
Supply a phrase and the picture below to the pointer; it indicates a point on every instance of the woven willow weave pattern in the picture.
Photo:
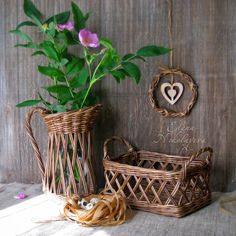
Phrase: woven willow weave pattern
(159, 183)
(69, 152)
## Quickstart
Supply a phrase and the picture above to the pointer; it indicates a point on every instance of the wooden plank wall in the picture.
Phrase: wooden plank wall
(204, 36)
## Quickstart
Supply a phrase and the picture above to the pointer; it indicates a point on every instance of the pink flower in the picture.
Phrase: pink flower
(21, 196)
(88, 39)
(69, 26)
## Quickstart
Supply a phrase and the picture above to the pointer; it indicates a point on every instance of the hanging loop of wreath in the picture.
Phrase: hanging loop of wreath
(184, 77)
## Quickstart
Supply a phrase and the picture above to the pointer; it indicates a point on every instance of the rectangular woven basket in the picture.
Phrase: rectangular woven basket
(159, 183)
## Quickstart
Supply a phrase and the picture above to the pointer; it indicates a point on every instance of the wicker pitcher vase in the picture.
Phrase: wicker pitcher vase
(69, 150)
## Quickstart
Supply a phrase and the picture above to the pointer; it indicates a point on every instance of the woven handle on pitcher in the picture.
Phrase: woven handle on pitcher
(29, 132)
(196, 155)
(119, 139)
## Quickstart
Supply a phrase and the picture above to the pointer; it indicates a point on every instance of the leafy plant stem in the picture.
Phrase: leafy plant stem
(115, 68)
(92, 81)
(88, 64)
(87, 93)
(47, 104)
(130, 58)
(55, 81)
(67, 82)
(48, 36)
(97, 67)
(89, 70)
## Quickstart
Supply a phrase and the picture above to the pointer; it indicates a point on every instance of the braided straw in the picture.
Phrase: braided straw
(156, 80)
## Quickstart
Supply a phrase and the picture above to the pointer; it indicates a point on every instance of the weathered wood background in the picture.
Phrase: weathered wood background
(204, 42)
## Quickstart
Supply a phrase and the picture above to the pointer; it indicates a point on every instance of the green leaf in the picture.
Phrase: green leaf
(80, 79)
(60, 89)
(28, 103)
(71, 39)
(133, 70)
(50, 71)
(25, 23)
(31, 11)
(75, 105)
(61, 41)
(118, 74)
(64, 61)
(90, 100)
(106, 43)
(65, 97)
(45, 103)
(50, 50)
(38, 53)
(50, 29)
(22, 35)
(128, 56)
(152, 51)
(91, 58)
(60, 18)
(74, 66)
(58, 108)
(79, 19)
(132, 56)
(87, 15)
(27, 45)
(111, 59)
(79, 97)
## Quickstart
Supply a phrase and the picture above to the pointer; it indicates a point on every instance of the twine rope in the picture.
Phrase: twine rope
(170, 30)
(170, 5)
(226, 201)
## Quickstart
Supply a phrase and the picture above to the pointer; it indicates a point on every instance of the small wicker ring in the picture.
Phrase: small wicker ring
(183, 76)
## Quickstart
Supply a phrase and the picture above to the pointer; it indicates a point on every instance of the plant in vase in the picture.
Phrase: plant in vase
(72, 109)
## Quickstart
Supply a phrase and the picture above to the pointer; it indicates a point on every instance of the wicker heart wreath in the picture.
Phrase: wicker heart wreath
(174, 90)
(172, 95)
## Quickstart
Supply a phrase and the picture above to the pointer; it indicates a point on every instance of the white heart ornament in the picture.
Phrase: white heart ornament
(172, 95)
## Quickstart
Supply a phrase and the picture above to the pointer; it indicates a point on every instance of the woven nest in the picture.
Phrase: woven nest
(110, 210)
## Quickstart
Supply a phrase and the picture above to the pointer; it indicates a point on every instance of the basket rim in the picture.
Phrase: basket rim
(147, 171)
(164, 154)
(71, 112)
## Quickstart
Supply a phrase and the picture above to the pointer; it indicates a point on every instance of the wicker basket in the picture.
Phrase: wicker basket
(159, 183)
(70, 151)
